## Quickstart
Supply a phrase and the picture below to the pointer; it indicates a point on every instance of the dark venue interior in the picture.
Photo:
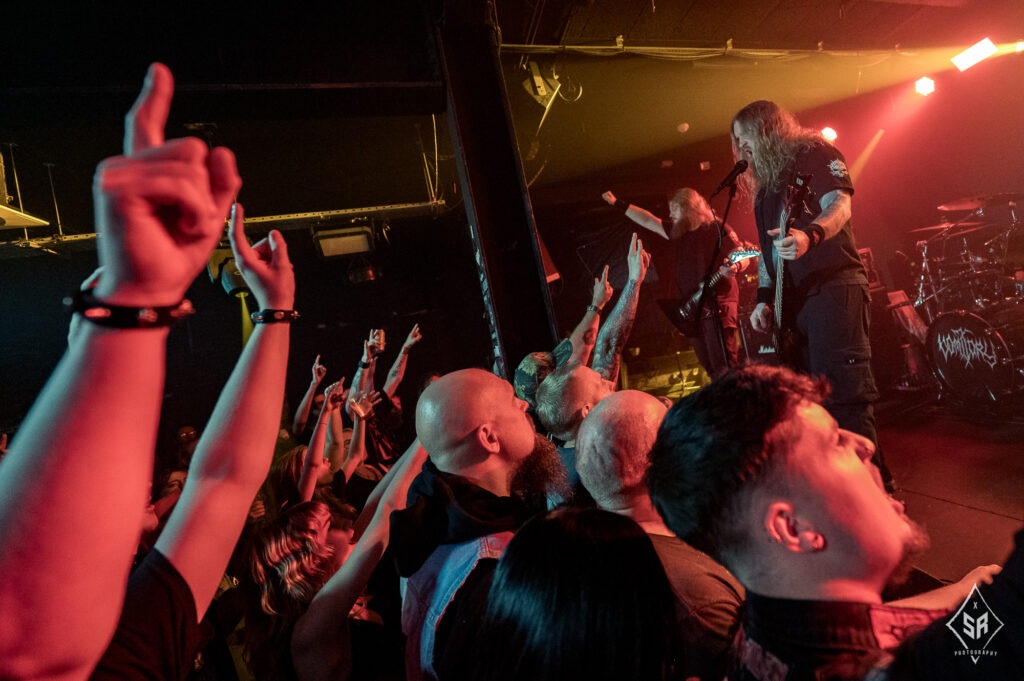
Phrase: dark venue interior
(342, 118)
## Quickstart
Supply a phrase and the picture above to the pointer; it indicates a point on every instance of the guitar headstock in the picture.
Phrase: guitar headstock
(741, 255)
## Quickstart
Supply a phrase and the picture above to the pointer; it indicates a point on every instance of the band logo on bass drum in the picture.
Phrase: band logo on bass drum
(962, 344)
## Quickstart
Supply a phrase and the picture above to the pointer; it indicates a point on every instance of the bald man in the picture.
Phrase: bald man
(611, 458)
(487, 473)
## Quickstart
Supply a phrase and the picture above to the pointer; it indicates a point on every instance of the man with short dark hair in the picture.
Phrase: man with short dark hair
(753, 470)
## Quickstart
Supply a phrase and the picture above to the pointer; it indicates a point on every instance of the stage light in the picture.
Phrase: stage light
(1020, 46)
(829, 133)
(924, 86)
(974, 54)
(345, 241)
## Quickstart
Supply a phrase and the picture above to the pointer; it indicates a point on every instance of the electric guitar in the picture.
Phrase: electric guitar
(683, 312)
(795, 197)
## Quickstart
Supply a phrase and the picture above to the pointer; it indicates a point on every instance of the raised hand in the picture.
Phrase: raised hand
(334, 389)
(638, 259)
(602, 289)
(609, 198)
(413, 338)
(362, 406)
(160, 207)
(264, 265)
(335, 395)
(319, 370)
(374, 345)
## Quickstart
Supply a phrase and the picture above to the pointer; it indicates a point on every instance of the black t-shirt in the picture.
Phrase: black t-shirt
(834, 259)
(158, 634)
(693, 252)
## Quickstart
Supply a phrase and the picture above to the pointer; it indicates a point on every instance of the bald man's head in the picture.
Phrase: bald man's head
(612, 446)
(465, 418)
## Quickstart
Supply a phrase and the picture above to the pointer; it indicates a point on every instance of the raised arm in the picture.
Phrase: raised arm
(317, 461)
(235, 450)
(615, 332)
(397, 372)
(72, 488)
(584, 335)
(306, 405)
(321, 647)
(362, 380)
(640, 216)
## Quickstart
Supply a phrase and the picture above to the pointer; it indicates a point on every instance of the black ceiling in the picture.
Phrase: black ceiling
(773, 24)
(329, 103)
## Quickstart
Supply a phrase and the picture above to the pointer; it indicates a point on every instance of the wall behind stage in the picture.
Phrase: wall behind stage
(915, 153)
(964, 140)
(428, 277)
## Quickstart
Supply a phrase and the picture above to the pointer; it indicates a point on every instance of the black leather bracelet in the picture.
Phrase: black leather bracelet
(86, 303)
(815, 233)
(365, 365)
(622, 205)
(274, 316)
(593, 308)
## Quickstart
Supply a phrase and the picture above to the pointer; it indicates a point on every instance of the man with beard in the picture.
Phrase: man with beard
(753, 470)
(698, 241)
(487, 473)
(823, 322)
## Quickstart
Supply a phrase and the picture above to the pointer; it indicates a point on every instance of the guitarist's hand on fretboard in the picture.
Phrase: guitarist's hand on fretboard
(793, 246)
(761, 318)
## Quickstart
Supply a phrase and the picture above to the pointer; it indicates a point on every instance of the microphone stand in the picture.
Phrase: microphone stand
(712, 266)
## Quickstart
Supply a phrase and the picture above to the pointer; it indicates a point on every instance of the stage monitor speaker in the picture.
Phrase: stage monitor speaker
(757, 346)
(672, 376)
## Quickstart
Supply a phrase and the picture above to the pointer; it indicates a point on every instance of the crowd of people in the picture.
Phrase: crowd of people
(546, 528)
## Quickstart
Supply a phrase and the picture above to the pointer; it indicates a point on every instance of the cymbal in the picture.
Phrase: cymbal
(959, 231)
(946, 225)
(976, 202)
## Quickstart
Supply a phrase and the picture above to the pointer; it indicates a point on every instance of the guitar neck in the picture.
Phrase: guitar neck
(797, 193)
(779, 272)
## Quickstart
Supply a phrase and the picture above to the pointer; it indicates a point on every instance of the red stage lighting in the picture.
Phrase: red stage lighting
(924, 86)
(829, 133)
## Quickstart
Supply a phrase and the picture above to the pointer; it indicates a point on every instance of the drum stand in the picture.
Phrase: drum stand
(926, 292)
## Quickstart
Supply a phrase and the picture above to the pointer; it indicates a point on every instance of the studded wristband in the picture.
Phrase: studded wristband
(274, 316)
(85, 303)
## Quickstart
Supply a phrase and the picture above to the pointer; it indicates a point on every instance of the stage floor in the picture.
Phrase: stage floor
(960, 470)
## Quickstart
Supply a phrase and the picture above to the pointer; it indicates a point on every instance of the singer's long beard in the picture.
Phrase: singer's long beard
(681, 226)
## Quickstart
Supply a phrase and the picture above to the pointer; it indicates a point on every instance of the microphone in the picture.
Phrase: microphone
(737, 170)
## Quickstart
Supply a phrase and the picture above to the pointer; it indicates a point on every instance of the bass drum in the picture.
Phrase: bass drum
(979, 355)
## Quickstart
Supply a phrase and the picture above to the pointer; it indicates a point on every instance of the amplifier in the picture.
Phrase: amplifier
(757, 346)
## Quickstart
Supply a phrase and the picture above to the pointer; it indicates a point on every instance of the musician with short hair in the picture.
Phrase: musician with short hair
(822, 326)
(693, 231)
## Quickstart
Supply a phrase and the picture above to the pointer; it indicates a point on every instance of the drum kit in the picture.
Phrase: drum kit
(970, 294)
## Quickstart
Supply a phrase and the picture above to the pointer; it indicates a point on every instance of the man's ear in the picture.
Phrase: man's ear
(586, 410)
(488, 438)
(791, 532)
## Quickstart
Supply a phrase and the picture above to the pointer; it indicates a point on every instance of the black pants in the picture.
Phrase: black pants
(716, 344)
(832, 341)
